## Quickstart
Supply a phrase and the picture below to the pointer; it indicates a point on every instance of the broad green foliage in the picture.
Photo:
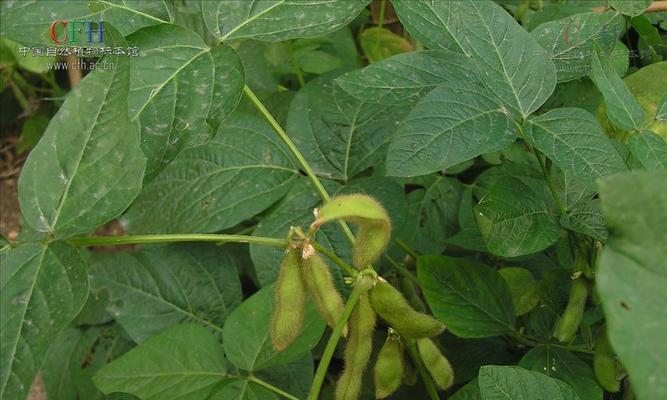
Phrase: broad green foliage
(633, 273)
(478, 186)
(88, 166)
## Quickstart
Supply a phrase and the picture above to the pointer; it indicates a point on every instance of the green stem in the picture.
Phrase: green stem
(404, 271)
(297, 69)
(330, 348)
(168, 238)
(417, 360)
(18, 93)
(407, 249)
(350, 270)
(286, 139)
(272, 388)
(381, 18)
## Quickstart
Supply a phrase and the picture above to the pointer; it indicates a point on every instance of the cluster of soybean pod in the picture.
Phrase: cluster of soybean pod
(303, 273)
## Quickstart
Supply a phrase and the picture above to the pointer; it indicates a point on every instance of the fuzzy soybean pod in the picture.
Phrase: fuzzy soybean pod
(390, 304)
(388, 370)
(290, 300)
(357, 350)
(436, 363)
(319, 282)
(606, 366)
(368, 214)
(567, 324)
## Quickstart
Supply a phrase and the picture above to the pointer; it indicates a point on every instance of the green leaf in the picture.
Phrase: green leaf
(632, 276)
(242, 389)
(661, 114)
(514, 221)
(43, 289)
(569, 41)
(11, 54)
(28, 21)
(585, 218)
(277, 20)
(631, 7)
(32, 130)
(469, 236)
(340, 135)
(381, 43)
(523, 287)
(650, 149)
(469, 392)
(88, 166)
(515, 383)
(294, 378)
(75, 357)
(562, 365)
(183, 362)
(573, 139)
(472, 299)
(451, 124)
(508, 59)
(406, 77)
(158, 287)
(433, 210)
(467, 355)
(171, 90)
(622, 108)
(246, 334)
(214, 186)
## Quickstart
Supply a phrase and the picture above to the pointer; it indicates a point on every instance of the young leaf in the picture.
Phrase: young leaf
(405, 77)
(622, 108)
(246, 334)
(508, 59)
(207, 187)
(183, 362)
(277, 20)
(471, 299)
(572, 138)
(632, 276)
(515, 383)
(569, 41)
(562, 365)
(43, 289)
(88, 166)
(381, 43)
(514, 221)
(451, 124)
(170, 91)
(146, 288)
(650, 149)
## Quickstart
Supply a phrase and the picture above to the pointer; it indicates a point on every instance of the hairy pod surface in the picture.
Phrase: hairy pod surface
(372, 219)
(321, 287)
(388, 370)
(390, 304)
(606, 366)
(436, 363)
(357, 350)
(567, 324)
(290, 300)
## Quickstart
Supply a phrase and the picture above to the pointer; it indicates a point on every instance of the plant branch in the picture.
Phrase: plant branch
(404, 271)
(330, 348)
(381, 18)
(272, 388)
(169, 238)
(286, 139)
(417, 360)
(406, 248)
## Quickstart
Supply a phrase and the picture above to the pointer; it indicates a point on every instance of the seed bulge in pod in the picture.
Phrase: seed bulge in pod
(388, 370)
(321, 287)
(606, 366)
(357, 350)
(436, 363)
(290, 299)
(390, 304)
(568, 323)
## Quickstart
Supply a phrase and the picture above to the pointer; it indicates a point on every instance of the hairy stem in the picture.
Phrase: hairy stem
(272, 388)
(417, 361)
(286, 139)
(168, 238)
(381, 17)
(330, 348)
